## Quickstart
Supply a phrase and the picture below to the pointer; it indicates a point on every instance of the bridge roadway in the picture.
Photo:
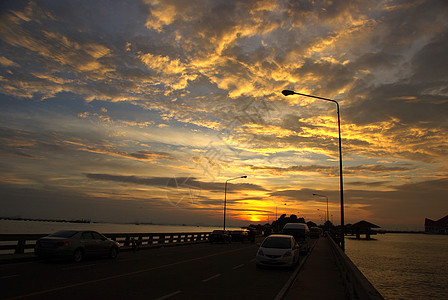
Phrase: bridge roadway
(199, 271)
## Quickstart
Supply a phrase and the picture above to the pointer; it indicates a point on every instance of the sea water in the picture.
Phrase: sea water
(42, 227)
(403, 266)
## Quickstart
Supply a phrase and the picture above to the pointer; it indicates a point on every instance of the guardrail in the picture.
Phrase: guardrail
(357, 285)
(18, 243)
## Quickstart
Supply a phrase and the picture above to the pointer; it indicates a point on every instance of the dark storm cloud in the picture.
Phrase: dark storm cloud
(377, 168)
(305, 195)
(334, 170)
(367, 183)
(403, 21)
(411, 202)
(74, 44)
(378, 60)
(54, 203)
(34, 144)
(429, 64)
(414, 95)
(176, 182)
(336, 75)
(403, 204)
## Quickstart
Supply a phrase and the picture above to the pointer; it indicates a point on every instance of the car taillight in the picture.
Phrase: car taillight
(64, 243)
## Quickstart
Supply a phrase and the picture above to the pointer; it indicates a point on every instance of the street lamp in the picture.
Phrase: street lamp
(225, 196)
(320, 216)
(276, 211)
(326, 215)
(288, 93)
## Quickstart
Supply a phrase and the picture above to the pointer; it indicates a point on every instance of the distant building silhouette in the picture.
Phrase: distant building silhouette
(361, 227)
(437, 227)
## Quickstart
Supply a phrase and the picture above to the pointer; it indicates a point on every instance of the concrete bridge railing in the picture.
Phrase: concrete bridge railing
(18, 243)
(357, 285)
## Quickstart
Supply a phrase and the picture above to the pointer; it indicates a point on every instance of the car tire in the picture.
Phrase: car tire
(78, 255)
(113, 252)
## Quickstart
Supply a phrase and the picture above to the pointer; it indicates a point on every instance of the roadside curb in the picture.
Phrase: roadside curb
(16, 258)
(284, 291)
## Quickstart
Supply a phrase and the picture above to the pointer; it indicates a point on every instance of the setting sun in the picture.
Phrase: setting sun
(150, 120)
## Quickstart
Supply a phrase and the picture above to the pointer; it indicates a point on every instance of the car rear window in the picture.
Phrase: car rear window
(277, 242)
(64, 234)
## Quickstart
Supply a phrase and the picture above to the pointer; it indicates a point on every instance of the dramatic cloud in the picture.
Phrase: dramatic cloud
(125, 102)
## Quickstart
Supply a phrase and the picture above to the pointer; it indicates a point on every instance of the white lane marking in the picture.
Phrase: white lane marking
(237, 267)
(141, 271)
(9, 276)
(77, 267)
(169, 295)
(210, 278)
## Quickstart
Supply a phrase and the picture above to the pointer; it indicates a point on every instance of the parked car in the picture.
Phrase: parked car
(220, 236)
(301, 233)
(76, 245)
(315, 232)
(278, 250)
(240, 235)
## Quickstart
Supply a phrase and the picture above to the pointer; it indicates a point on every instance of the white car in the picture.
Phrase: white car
(278, 250)
(301, 234)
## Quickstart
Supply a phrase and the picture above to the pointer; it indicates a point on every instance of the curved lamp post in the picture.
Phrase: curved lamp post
(326, 215)
(288, 93)
(225, 196)
(276, 211)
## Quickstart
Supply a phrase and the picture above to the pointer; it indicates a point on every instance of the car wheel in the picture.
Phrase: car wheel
(78, 256)
(113, 252)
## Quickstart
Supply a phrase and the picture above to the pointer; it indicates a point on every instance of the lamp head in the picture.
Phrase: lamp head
(288, 92)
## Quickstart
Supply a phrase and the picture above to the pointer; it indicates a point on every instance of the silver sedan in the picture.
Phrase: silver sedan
(76, 245)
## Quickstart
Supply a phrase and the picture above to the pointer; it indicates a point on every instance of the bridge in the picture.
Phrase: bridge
(194, 269)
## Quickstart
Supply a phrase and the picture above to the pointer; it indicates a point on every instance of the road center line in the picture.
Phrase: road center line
(210, 278)
(169, 295)
(237, 267)
(124, 274)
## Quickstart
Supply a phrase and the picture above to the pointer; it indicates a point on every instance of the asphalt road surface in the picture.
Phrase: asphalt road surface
(200, 271)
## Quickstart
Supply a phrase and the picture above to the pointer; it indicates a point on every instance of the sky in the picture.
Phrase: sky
(141, 111)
